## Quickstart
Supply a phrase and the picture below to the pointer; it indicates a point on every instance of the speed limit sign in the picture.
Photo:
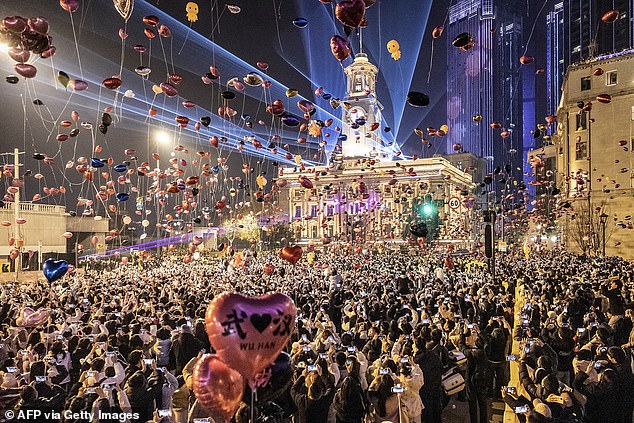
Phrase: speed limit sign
(454, 202)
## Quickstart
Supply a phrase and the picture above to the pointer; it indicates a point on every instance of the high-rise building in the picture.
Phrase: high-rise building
(470, 78)
(575, 33)
(485, 84)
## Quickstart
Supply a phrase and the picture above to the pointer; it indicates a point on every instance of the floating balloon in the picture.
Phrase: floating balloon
(395, 49)
(291, 254)
(610, 16)
(31, 318)
(70, 6)
(234, 9)
(340, 47)
(350, 12)
(124, 8)
(437, 31)
(54, 269)
(526, 59)
(217, 386)
(417, 99)
(300, 22)
(192, 11)
(26, 70)
(462, 40)
(274, 380)
(248, 333)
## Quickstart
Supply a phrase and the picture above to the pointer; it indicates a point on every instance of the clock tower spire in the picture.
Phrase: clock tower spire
(362, 112)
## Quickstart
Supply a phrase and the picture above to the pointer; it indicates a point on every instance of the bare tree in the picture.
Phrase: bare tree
(586, 230)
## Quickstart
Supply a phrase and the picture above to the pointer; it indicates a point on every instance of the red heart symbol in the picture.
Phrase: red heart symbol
(248, 333)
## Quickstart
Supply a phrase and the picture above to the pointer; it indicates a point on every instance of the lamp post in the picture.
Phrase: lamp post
(603, 219)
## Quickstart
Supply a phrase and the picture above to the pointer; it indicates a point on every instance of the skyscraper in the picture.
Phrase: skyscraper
(575, 32)
(487, 81)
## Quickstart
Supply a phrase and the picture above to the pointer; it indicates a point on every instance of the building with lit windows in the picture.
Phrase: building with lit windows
(595, 163)
(366, 193)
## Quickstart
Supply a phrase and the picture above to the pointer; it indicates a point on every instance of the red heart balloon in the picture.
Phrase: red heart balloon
(291, 254)
(340, 47)
(248, 333)
(350, 12)
(217, 386)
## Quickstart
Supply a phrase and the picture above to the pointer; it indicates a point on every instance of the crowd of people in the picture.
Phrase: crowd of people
(382, 335)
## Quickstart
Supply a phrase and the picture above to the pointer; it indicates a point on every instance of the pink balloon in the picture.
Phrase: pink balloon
(78, 84)
(25, 70)
(217, 386)
(168, 89)
(248, 333)
(69, 5)
(16, 24)
(19, 55)
(39, 25)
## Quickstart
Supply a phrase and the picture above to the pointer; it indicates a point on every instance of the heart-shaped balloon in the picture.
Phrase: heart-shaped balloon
(54, 269)
(124, 7)
(248, 333)
(272, 381)
(350, 12)
(217, 386)
(291, 254)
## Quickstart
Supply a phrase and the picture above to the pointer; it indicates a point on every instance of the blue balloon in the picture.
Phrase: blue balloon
(326, 96)
(54, 269)
(120, 168)
(343, 137)
(96, 162)
(360, 122)
(123, 196)
(300, 22)
(289, 120)
(215, 169)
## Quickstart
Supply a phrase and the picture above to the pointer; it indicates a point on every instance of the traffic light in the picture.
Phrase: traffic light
(428, 209)
(488, 240)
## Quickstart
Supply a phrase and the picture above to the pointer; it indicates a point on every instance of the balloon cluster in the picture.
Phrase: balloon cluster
(25, 36)
(248, 335)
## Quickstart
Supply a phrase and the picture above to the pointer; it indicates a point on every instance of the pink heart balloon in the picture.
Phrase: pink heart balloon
(32, 318)
(25, 70)
(248, 333)
(217, 386)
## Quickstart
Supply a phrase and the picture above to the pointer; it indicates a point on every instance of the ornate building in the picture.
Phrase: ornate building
(365, 195)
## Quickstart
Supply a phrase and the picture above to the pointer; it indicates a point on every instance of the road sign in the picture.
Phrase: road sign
(454, 202)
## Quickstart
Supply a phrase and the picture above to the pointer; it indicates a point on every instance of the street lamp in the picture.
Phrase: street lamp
(603, 219)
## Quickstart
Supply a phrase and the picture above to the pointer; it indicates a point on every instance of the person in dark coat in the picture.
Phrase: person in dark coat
(185, 347)
(350, 402)
(479, 381)
(312, 394)
(142, 394)
(624, 384)
(601, 405)
(431, 391)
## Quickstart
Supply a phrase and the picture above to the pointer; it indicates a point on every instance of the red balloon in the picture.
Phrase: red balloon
(16, 24)
(112, 83)
(350, 12)
(610, 16)
(25, 70)
(151, 20)
(340, 47)
(527, 60)
(19, 55)
(164, 31)
(248, 333)
(168, 89)
(291, 254)
(276, 108)
(14, 254)
(39, 25)
(305, 182)
(70, 6)
(217, 386)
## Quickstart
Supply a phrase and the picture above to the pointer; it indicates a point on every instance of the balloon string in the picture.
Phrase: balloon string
(253, 403)
(431, 61)
(185, 40)
(277, 24)
(72, 24)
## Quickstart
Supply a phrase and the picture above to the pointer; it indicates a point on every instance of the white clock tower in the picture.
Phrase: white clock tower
(362, 112)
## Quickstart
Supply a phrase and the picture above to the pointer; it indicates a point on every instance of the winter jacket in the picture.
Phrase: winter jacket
(308, 410)
(350, 402)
